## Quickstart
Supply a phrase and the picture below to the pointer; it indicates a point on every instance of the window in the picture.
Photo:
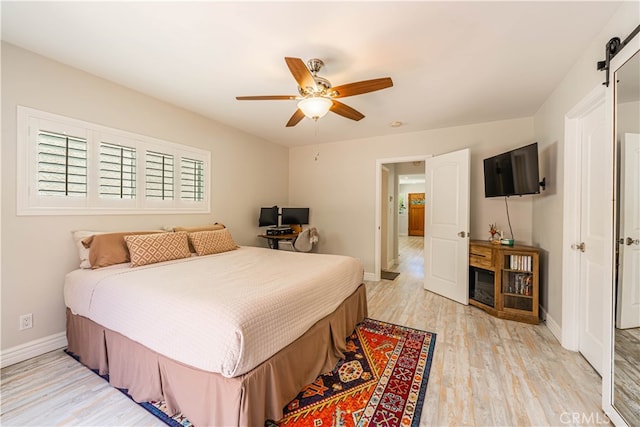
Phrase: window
(68, 166)
(62, 165)
(192, 179)
(159, 176)
(117, 171)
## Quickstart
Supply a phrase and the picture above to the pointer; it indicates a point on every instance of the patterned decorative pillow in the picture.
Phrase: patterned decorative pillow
(212, 242)
(216, 226)
(152, 248)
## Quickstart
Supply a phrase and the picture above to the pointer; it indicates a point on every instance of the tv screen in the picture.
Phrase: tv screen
(295, 216)
(268, 216)
(513, 173)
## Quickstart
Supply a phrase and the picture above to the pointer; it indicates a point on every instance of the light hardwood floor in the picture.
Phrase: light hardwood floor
(485, 371)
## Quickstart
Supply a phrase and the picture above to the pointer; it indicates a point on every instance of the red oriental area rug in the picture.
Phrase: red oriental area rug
(381, 381)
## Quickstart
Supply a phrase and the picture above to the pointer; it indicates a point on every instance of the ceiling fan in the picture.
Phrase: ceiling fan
(316, 95)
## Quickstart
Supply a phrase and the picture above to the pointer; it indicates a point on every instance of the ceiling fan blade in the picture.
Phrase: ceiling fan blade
(301, 73)
(346, 111)
(266, 97)
(358, 88)
(295, 119)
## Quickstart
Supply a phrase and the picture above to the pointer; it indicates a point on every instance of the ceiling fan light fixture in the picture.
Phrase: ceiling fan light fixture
(315, 107)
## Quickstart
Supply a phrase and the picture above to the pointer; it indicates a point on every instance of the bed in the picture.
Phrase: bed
(226, 339)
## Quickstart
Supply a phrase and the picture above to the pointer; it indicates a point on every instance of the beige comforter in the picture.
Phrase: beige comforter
(223, 313)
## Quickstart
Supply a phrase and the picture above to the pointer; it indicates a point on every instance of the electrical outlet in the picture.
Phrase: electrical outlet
(26, 321)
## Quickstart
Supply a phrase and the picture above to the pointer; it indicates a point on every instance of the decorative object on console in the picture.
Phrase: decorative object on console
(493, 231)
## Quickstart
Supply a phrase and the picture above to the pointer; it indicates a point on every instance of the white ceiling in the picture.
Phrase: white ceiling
(452, 63)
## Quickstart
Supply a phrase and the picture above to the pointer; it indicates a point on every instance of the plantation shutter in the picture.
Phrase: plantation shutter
(62, 165)
(117, 171)
(159, 176)
(191, 179)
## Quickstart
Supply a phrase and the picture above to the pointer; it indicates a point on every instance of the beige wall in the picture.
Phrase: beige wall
(549, 131)
(37, 251)
(338, 182)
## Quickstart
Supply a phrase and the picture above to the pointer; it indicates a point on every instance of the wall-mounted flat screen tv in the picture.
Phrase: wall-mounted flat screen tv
(295, 216)
(513, 173)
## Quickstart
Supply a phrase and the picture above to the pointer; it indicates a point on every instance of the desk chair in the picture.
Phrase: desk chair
(303, 242)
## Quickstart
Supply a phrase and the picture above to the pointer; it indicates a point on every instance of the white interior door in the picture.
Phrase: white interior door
(446, 244)
(593, 236)
(628, 310)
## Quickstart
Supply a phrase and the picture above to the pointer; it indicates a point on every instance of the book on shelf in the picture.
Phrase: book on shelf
(520, 285)
(521, 262)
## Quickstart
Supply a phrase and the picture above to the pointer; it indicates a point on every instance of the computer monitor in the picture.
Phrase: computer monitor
(268, 216)
(295, 216)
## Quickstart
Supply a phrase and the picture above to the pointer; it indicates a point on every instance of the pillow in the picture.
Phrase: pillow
(212, 242)
(109, 248)
(83, 253)
(216, 226)
(151, 248)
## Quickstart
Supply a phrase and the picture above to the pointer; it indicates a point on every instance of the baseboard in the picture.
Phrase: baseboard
(369, 276)
(33, 348)
(553, 326)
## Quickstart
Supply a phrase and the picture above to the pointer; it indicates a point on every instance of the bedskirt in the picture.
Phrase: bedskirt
(207, 398)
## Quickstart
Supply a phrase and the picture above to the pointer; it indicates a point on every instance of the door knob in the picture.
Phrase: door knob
(578, 246)
(462, 234)
(631, 241)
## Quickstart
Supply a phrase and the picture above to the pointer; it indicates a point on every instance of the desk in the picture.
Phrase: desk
(272, 241)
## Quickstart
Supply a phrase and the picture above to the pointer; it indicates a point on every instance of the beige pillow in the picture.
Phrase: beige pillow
(153, 248)
(216, 226)
(109, 248)
(212, 242)
(83, 253)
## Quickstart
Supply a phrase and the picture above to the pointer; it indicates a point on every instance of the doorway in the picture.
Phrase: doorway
(401, 176)
(447, 231)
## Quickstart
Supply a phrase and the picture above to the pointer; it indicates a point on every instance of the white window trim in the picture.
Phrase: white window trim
(29, 203)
